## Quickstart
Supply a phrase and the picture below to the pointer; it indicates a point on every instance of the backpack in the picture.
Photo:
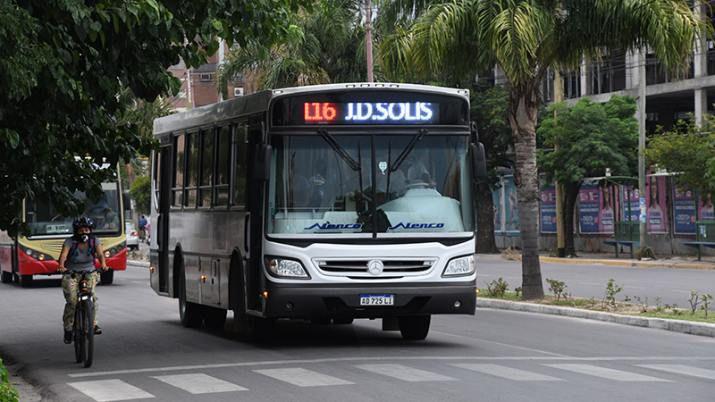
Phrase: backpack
(92, 243)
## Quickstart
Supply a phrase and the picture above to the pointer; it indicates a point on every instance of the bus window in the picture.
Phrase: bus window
(207, 164)
(222, 166)
(192, 169)
(240, 167)
(178, 189)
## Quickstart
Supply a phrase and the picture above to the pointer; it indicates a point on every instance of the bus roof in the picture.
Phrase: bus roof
(260, 102)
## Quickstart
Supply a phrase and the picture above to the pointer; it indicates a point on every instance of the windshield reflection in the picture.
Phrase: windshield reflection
(329, 184)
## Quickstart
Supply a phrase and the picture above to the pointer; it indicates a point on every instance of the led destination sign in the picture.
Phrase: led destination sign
(369, 112)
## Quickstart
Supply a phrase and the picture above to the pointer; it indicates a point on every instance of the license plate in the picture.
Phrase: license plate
(377, 300)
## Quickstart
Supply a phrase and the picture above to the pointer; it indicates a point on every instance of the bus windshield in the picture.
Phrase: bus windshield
(387, 185)
(43, 218)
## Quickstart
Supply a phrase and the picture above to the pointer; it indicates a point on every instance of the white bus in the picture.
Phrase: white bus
(324, 203)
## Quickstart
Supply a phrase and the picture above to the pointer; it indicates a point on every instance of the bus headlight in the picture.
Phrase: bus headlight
(285, 268)
(460, 266)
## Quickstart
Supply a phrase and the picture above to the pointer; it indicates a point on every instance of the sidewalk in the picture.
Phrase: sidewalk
(682, 262)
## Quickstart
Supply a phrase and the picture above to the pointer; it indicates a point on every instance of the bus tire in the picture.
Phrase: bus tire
(189, 313)
(25, 280)
(214, 318)
(414, 328)
(107, 278)
(6, 277)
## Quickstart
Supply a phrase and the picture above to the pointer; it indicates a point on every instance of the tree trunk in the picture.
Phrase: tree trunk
(570, 196)
(485, 220)
(522, 118)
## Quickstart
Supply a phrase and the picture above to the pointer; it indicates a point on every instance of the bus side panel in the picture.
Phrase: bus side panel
(207, 240)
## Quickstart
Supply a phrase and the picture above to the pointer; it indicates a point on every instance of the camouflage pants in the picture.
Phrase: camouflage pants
(69, 288)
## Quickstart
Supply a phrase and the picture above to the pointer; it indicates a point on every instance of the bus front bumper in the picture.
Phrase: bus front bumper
(320, 301)
(31, 266)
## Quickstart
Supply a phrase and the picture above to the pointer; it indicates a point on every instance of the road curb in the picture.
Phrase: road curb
(685, 327)
(138, 263)
(627, 263)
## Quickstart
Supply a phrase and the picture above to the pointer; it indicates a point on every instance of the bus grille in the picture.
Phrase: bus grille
(357, 268)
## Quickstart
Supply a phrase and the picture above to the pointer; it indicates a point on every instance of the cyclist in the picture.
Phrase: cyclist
(78, 253)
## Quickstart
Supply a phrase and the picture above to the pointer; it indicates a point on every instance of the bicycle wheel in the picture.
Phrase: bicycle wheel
(78, 334)
(88, 334)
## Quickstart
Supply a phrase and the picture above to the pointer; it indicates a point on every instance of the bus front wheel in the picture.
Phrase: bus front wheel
(6, 277)
(414, 328)
(107, 277)
(215, 318)
(25, 280)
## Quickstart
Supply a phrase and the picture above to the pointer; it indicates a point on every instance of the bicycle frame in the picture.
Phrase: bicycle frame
(83, 328)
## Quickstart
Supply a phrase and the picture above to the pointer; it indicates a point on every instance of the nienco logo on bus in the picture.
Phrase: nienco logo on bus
(408, 225)
(334, 226)
(407, 111)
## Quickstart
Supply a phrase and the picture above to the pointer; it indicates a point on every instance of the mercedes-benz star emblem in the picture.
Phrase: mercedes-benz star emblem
(375, 267)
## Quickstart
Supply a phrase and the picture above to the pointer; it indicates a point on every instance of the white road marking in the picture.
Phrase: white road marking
(683, 370)
(505, 372)
(607, 373)
(499, 343)
(195, 367)
(404, 373)
(302, 377)
(199, 383)
(109, 390)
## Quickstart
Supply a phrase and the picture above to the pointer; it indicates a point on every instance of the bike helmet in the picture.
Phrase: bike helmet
(82, 222)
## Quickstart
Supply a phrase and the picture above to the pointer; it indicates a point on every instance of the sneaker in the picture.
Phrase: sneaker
(97, 330)
(68, 337)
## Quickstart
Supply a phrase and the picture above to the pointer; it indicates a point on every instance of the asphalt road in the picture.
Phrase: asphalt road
(671, 285)
(493, 356)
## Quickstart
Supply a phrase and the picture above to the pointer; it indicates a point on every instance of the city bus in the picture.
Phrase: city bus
(37, 252)
(322, 203)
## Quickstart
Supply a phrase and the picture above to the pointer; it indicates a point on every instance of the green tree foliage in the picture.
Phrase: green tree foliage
(688, 150)
(324, 44)
(582, 141)
(525, 38)
(63, 65)
(141, 193)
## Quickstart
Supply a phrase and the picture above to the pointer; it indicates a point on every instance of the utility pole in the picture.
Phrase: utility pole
(368, 39)
(560, 229)
(641, 148)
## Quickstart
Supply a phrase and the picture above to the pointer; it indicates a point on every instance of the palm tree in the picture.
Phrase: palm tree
(525, 38)
(321, 45)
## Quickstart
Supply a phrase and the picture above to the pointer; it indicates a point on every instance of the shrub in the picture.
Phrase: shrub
(497, 288)
(7, 392)
(612, 289)
(558, 288)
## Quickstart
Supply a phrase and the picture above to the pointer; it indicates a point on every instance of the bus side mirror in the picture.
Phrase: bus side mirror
(262, 166)
(479, 161)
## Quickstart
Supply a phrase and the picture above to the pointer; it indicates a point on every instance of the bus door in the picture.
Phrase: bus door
(257, 184)
(162, 225)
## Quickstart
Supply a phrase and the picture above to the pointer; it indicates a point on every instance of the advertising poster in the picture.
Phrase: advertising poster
(684, 211)
(511, 205)
(657, 210)
(547, 210)
(630, 199)
(706, 208)
(498, 206)
(589, 208)
(607, 215)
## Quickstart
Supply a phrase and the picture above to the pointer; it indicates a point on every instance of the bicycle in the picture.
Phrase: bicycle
(83, 327)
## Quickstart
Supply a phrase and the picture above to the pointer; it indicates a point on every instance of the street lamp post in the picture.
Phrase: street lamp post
(641, 148)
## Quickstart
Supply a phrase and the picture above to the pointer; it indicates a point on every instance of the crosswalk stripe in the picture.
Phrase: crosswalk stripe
(508, 373)
(607, 373)
(682, 369)
(302, 377)
(199, 383)
(404, 373)
(109, 390)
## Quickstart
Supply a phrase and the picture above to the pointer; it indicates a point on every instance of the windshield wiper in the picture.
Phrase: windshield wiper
(405, 152)
(344, 155)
